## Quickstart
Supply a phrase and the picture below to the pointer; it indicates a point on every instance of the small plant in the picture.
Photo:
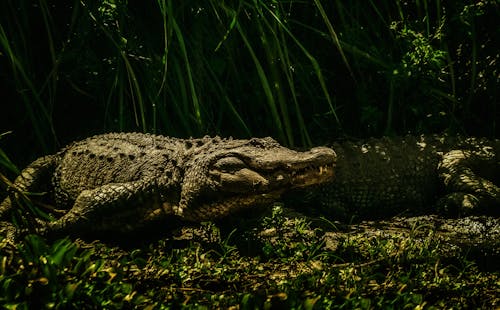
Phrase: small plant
(39, 274)
(288, 237)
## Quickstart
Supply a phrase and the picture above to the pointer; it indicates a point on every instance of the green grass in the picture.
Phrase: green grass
(303, 72)
(288, 265)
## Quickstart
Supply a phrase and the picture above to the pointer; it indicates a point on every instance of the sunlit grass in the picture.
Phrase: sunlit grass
(289, 266)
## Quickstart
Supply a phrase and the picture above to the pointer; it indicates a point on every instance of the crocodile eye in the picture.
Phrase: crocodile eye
(229, 164)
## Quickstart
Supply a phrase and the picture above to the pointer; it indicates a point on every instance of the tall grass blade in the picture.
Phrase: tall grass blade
(264, 83)
(287, 68)
(227, 100)
(272, 47)
(183, 49)
(134, 86)
(333, 35)
(316, 67)
(22, 79)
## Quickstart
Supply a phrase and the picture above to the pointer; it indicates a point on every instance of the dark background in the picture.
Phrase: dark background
(302, 72)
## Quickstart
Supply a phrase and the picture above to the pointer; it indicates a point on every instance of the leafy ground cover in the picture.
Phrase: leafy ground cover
(283, 262)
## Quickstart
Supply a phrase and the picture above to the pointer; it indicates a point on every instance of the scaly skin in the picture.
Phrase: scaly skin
(388, 176)
(123, 181)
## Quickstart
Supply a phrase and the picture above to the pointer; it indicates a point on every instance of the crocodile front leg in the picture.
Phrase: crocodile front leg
(119, 207)
(459, 170)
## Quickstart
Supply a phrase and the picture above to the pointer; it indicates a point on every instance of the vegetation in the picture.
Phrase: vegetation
(304, 72)
(301, 71)
(206, 271)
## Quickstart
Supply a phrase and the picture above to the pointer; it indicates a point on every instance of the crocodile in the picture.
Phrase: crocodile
(383, 177)
(119, 182)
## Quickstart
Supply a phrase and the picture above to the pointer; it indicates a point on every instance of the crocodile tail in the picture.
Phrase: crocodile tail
(34, 178)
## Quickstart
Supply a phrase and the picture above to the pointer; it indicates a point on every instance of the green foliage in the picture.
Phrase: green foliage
(61, 275)
(6, 163)
(299, 71)
(288, 238)
(363, 271)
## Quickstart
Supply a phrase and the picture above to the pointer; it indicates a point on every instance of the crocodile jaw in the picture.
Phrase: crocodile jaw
(250, 177)
(233, 204)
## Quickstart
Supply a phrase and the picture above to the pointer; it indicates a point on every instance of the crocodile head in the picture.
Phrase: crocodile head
(235, 174)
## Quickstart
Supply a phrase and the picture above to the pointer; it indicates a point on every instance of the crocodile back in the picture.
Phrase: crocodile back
(388, 176)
